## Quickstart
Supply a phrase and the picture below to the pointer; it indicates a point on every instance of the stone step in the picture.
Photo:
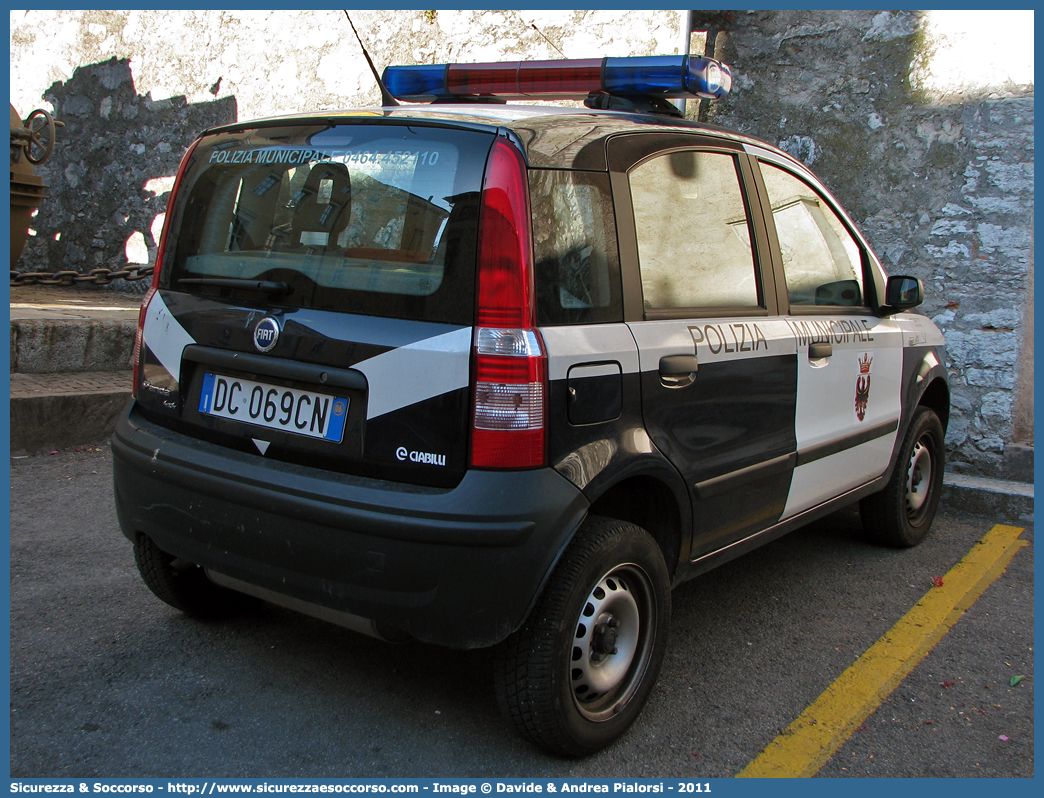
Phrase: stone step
(1003, 500)
(55, 330)
(57, 411)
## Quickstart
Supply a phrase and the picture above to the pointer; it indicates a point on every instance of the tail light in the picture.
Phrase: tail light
(138, 352)
(509, 399)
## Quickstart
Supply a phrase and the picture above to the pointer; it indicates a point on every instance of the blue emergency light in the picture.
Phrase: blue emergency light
(664, 76)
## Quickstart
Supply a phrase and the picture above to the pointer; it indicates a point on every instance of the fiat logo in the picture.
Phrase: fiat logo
(266, 333)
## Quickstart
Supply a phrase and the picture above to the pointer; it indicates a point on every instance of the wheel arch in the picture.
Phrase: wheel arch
(649, 501)
(925, 384)
(936, 396)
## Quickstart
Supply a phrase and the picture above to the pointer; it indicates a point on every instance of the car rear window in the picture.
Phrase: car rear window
(374, 219)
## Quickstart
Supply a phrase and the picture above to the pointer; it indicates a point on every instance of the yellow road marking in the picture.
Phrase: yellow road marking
(809, 742)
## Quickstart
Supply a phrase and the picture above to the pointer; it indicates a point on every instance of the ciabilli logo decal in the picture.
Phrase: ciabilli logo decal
(427, 458)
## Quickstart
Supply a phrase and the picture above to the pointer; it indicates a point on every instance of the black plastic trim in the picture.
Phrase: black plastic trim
(460, 567)
(284, 489)
(819, 451)
(720, 556)
(745, 476)
(680, 314)
(276, 367)
(832, 310)
(918, 376)
(627, 241)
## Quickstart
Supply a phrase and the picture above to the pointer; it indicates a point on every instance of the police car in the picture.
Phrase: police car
(478, 374)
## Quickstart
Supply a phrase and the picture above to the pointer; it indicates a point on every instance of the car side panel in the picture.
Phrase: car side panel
(730, 433)
(847, 404)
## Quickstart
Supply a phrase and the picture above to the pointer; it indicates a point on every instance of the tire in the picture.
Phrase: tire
(573, 686)
(185, 586)
(902, 513)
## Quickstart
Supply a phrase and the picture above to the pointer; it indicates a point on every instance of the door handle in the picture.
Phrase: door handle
(678, 371)
(820, 350)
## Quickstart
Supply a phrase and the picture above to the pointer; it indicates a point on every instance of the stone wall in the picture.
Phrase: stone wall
(112, 169)
(939, 176)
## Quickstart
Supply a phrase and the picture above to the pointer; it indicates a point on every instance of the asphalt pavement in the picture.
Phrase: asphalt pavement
(106, 681)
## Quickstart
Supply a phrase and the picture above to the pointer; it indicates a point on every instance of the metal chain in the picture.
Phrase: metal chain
(94, 276)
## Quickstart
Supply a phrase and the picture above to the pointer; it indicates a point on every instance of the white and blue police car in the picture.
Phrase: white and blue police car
(479, 374)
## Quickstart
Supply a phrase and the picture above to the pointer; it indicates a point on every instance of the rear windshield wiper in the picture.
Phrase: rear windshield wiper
(262, 286)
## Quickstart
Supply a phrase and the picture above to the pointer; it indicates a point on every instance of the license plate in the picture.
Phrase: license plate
(315, 415)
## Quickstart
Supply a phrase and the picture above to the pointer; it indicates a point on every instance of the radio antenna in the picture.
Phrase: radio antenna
(386, 98)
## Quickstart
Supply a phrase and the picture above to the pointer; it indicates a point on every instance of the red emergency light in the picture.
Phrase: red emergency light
(663, 76)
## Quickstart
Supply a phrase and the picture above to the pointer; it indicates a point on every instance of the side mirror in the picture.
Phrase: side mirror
(903, 293)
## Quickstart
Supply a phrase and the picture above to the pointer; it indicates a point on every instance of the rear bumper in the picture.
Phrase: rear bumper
(458, 567)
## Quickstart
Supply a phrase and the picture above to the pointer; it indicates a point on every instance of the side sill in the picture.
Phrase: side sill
(822, 450)
(723, 555)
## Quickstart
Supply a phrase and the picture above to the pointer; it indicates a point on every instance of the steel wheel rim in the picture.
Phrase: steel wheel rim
(918, 479)
(611, 642)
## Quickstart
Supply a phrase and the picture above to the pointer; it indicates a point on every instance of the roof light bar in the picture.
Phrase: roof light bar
(675, 76)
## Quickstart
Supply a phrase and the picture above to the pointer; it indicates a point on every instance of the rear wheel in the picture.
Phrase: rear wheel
(184, 585)
(577, 674)
(902, 513)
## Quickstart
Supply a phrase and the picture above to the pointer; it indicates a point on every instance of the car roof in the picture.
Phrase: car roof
(551, 136)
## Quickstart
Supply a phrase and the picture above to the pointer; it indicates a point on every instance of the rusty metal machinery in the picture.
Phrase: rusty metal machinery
(32, 143)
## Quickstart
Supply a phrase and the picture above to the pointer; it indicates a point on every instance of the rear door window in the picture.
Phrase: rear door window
(694, 241)
(370, 219)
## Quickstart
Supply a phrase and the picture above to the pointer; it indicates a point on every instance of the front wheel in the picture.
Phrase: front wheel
(901, 514)
(578, 672)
